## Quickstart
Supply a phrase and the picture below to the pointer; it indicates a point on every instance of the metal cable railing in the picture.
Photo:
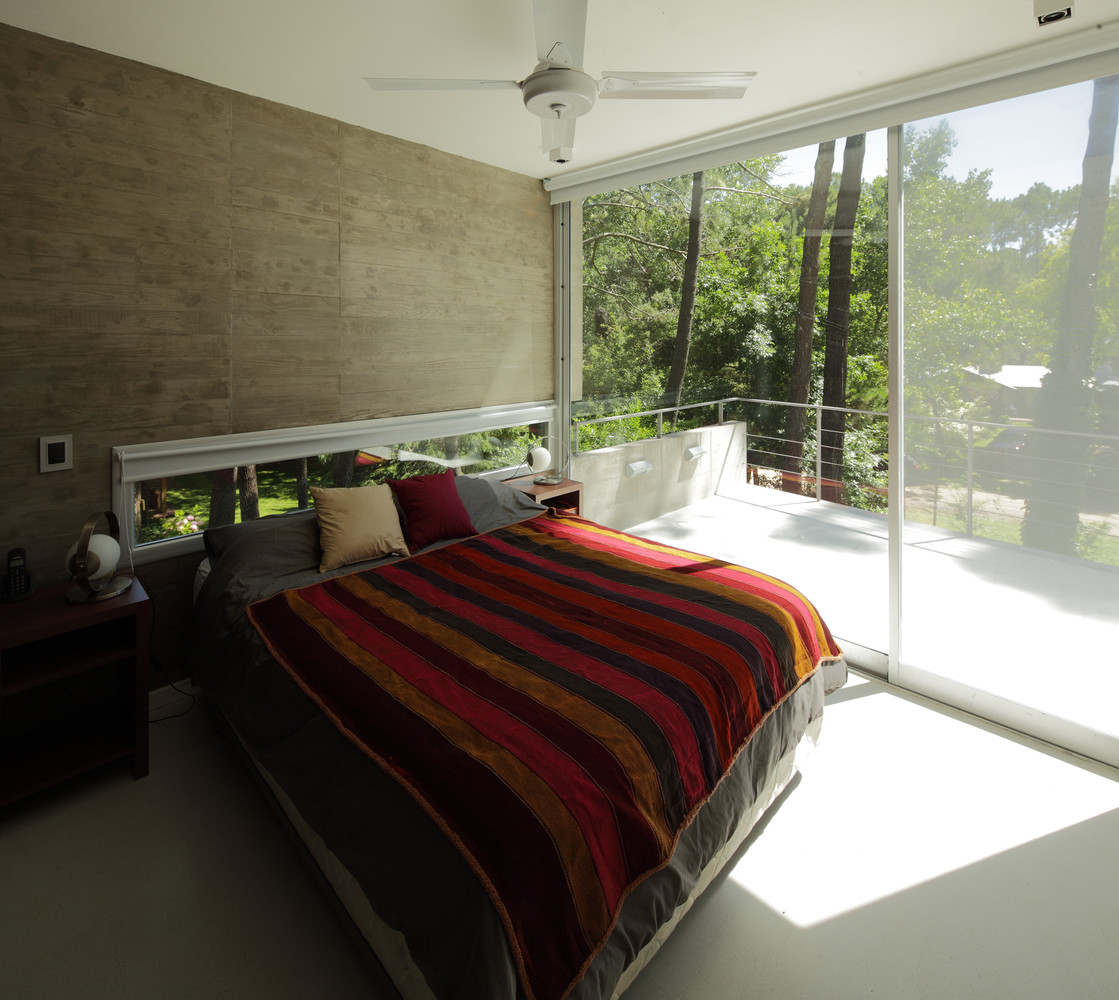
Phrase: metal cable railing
(972, 476)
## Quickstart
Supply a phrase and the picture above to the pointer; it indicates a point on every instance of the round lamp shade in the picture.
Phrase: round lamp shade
(102, 556)
(92, 561)
(539, 458)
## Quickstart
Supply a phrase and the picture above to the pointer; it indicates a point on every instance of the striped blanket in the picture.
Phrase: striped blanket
(559, 697)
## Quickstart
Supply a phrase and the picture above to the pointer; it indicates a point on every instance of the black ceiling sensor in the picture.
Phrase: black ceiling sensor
(1049, 15)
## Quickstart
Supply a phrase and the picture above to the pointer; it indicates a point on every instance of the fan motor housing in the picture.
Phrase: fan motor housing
(559, 93)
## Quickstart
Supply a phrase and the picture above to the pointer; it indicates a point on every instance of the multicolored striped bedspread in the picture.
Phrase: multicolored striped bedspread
(559, 697)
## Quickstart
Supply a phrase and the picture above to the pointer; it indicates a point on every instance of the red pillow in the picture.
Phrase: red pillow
(432, 509)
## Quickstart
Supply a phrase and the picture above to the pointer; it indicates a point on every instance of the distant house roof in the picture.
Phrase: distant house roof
(1014, 376)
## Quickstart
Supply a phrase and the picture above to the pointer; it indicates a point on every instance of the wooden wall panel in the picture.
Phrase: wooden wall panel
(424, 265)
(114, 289)
(181, 260)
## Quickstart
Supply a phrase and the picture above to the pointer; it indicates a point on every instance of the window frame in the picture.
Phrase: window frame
(167, 459)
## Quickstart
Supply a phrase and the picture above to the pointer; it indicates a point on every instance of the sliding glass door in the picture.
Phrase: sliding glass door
(1000, 371)
(1009, 562)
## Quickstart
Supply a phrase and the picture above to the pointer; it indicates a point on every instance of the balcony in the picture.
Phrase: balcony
(977, 607)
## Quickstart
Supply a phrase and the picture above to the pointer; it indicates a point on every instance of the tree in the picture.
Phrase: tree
(744, 316)
(1061, 460)
(635, 253)
(837, 324)
(223, 497)
(801, 376)
(302, 485)
(249, 492)
(342, 468)
(683, 342)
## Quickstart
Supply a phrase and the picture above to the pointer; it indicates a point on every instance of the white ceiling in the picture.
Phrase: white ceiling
(313, 54)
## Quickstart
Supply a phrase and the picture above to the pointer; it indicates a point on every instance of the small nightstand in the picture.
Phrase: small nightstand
(567, 495)
(73, 687)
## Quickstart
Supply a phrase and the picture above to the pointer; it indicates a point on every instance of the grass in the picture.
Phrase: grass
(1095, 542)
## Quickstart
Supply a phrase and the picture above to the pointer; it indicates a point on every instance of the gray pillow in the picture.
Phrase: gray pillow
(218, 540)
(493, 504)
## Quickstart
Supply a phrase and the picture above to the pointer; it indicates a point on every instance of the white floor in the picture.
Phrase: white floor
(1038, 630)
(919, 856)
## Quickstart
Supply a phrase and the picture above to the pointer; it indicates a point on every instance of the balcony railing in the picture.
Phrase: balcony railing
(974, 477)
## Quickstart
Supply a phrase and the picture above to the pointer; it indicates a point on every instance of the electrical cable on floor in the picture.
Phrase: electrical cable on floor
(177, 690)
(154, 664)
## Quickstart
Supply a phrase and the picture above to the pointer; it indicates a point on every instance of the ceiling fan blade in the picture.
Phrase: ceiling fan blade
(404, 84)
(561, 29)
(670, 86)
(558, 138)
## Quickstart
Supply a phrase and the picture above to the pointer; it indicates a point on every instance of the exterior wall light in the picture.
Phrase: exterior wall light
(1047, 12)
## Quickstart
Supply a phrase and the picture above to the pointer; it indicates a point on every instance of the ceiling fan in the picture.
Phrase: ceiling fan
(558, 91)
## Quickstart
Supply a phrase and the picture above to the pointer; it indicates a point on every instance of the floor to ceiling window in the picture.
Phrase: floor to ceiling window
(1005, 388)
(1010, 347)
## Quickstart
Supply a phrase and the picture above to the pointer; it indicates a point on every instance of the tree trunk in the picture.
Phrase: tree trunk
(450, 448)
(837, 325)
(250, 493)
(302, 485)
(804, 332)
(342, 467)
(1059, 462)
(223, 498)
(675, 383)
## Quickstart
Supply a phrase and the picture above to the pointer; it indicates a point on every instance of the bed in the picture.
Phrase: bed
(516, 743)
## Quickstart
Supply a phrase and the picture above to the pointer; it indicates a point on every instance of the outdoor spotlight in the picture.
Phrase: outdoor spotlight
(1046, 13)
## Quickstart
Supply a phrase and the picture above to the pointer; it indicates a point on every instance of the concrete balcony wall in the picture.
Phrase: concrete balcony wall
(612, 498)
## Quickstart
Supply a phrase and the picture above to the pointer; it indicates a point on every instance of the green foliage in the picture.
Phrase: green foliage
(984, 283)
(634, 247)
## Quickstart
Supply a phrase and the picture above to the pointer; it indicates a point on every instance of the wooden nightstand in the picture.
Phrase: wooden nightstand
(73, 687)
(567, 495)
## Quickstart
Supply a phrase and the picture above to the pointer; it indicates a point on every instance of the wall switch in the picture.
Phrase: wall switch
(56, 453)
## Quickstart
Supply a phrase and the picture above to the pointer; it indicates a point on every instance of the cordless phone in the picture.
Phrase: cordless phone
(17, 581)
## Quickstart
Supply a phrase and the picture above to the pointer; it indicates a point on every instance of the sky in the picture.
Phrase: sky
(1039, 137)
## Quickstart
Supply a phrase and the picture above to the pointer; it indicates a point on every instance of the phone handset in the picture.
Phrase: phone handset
(17, 580)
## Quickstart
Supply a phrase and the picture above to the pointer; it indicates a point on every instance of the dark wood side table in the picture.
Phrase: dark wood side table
(73, 687)
(567, 495)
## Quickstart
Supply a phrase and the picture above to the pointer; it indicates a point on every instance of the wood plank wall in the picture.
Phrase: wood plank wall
(182, 260)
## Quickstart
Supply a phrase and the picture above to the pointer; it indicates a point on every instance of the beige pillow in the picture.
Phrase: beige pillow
(357, 524)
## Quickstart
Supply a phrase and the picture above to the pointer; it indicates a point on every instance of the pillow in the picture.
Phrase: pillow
(270, 548)
(491, 503)
(219, 540)
(432, 509)
(356, 524)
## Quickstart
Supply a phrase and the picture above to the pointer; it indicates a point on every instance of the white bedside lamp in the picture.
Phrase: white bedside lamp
(539, 459)
(92, 561)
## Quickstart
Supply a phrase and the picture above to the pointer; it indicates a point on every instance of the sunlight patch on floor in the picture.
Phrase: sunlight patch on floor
(897, 795)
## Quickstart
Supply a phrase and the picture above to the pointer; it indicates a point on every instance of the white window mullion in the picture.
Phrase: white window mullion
(895, 388)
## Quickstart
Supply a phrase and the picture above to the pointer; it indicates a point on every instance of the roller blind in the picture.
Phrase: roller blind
(1071, 58)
